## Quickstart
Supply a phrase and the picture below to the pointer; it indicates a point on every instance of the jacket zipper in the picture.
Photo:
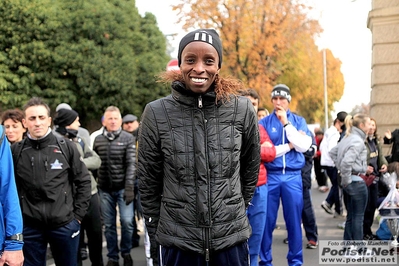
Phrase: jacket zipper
(200, 101)
(208, 229)
(207, 233)
(284, 154)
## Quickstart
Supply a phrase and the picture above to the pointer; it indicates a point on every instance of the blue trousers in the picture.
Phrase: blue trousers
(257, 219)
(334, 196)
(355, 197)
(234, 256)
(64, 242)
(308, 217)
(108, 210)
(288, 188)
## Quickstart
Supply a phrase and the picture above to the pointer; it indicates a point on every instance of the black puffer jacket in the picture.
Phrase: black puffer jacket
(118, 158)
(198, 164)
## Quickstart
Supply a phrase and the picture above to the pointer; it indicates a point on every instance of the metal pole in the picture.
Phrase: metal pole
(325, 88)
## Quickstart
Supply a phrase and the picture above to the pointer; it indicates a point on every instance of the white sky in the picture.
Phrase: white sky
(345, 34)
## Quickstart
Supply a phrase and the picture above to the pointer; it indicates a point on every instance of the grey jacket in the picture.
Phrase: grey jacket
(350, 155)
(90, 158)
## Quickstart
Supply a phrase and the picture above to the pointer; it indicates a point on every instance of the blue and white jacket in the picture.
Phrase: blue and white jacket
(287, 160)
(10, 211)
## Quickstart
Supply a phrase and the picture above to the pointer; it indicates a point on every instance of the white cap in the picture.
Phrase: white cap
(63, 106)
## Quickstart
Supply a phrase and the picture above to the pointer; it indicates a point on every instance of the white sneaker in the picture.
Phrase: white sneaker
(323, 189)
(327, 207)
(341, 225)
(339, 216)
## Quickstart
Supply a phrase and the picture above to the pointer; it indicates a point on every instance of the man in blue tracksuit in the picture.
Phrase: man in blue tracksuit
(287, 132)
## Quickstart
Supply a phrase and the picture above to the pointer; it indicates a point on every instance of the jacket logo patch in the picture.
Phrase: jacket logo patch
(56, 165)
(274, 130)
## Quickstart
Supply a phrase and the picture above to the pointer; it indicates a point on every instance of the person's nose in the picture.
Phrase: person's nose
(199, 67)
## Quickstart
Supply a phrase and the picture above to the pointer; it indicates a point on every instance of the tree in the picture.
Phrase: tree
(361, 109)
(90, 54)
(265, 42)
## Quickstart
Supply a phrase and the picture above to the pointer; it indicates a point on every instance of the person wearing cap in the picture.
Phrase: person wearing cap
(116, 175)
(291, 137)
(67, 124)
(54, 189)
(331, 138)
(198, 161)
(131, 125)
(82, 132)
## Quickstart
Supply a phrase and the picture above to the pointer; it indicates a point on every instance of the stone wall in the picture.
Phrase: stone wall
(383, 21)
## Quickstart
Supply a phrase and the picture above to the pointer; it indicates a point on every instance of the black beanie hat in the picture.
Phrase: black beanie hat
(203, 35)
(65, 117)
(341, 116)
(281, 90)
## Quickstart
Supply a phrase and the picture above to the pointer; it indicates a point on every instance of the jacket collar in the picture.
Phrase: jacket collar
(183, 95)
(41, 143)
(359, 132)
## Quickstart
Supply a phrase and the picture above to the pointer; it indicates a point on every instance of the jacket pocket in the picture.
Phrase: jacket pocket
(174, 210)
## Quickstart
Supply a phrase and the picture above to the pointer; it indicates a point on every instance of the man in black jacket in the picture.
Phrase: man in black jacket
(198, 161)
(117, 151)
(54, 189)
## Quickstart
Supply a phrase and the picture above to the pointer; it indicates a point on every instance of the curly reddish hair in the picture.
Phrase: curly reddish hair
(224, 87)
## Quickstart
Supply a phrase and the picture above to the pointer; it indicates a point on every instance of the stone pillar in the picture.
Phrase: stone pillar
(383, 21)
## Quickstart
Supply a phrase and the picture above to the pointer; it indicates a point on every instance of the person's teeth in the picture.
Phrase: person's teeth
(197, 80)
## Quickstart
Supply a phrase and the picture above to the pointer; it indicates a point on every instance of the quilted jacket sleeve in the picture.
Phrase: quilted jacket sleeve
(250, 154)
(150, 169)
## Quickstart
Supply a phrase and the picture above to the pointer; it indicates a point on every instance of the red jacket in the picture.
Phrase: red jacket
(267, 154)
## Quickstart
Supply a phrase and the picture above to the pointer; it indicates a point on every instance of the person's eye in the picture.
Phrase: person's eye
(210, 61)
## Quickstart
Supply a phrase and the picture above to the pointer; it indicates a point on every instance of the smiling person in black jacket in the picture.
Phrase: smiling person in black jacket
(198, 161)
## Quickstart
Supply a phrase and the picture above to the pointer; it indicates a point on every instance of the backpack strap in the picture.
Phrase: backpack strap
(16, 150)
(64, 148)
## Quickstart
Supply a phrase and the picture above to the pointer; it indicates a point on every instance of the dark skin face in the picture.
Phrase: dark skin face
(199, 66)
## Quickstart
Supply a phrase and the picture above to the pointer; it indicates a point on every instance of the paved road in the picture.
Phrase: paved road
(327, 227)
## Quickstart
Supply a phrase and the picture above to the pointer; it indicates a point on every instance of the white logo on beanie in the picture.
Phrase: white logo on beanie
(203, 37)
(281, 90)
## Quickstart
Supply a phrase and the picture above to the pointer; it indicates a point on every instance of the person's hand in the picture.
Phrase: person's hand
(128, 196)
(291, 146)
(384, 168)
(281, 115)
(12, 258)
(388, 134)
(369, 170)
(267, 144)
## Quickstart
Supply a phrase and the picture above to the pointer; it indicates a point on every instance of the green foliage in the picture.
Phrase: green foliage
(88, 53)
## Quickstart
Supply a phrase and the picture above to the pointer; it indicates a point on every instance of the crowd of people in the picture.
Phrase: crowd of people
(206, 168)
